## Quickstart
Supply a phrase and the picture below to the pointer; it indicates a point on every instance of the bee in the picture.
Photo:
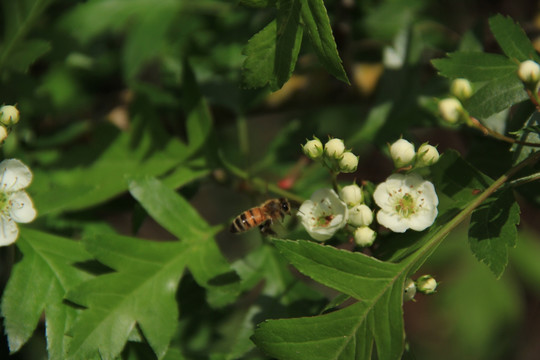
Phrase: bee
(262, 216)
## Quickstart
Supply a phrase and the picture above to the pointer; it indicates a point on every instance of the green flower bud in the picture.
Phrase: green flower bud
(402, 152)
(427, 155)
(9, 115)
(334, 148)
(364, 236)
(313, 149)
(351, 195)
(348, 163)
(426, 284)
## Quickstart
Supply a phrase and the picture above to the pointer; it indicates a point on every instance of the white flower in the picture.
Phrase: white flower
(426, 284)
(313, 149)
(427, 155)
(461, 88)
(15, 204)
(364, 236)
(9, 115)
(323, 214)
(351, 194)
(360, 215)
(451, 110)
(406, 201)
(402, 152)
(348, 162)
(334, 148)
(529, 72)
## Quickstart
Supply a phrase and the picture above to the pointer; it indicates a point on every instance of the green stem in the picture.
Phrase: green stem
(334, 181)
(464, 214)
(259, 183)
(524, 180)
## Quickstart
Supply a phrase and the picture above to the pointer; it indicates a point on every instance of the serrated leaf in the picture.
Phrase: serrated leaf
(141, 291)
(512, 39)
(318, 28)
(493, 230)
(475, 66)
(496, 96)
(39, 283)
(205, 261)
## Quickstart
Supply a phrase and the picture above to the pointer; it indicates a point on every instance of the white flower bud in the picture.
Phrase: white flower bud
(360, 215)
(409, 290)
(348, 162)
(313, 149)
(3, 134)
(529, 72)
(426, 284)
(334, 148)
(9, 115)
(402, 152)
(364, 236)
(461, 88)
(351, 195)
(451, 110)
(427, 155)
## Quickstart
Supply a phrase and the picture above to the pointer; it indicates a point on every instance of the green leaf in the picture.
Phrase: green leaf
(26, 53)
(258, 3)
(512, 39)
(258, 67)
(319, 31)
(493, 230)
(141, 291)
(378, 286)
(475, 66)
(496, 96)
(208, 266)
(39, 283)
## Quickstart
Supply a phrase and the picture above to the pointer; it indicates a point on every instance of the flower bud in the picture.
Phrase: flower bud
(9, 115)
(451, 110)
(334, 148)
(529, 72)
(348, 162)
(3, 134)
(427, 155)
(364, 236)
(461, 88)
(402, 152)
(360, 215)
(351, 195)
(313, 149)
(426, 284)
(409, 290)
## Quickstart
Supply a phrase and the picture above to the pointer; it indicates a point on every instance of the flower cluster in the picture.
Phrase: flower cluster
(9, 116)
(451, 108)
(333, 154)
(403, 154)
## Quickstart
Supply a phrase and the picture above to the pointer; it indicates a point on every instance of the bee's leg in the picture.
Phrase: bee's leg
(265, 228)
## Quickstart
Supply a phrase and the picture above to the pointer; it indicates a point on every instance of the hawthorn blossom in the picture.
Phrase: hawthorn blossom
(406, 201)
(323, 214)
(15, 204)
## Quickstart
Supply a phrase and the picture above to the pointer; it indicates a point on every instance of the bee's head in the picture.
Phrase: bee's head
(285, 206)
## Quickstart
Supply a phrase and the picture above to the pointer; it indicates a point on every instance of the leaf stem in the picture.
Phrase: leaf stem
(487, 131)
(524, 180)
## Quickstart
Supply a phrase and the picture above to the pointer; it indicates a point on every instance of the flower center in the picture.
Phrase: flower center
(406, 205)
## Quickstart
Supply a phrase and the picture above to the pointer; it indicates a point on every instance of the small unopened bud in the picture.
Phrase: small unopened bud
(427, 155)
(426, 284)
(348, 162)
(461, 88)
(360, 215)
(3, 134)
(351, 195)
(9, 115)
(402, 152)
(529, 72)
(451, 110)
(334, 148)
(313, 149)
(409, 290)
(364, 236)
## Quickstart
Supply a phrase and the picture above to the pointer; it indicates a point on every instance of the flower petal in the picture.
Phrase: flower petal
(392, 221)
(22, 209)
(14, 175)
(8, 231)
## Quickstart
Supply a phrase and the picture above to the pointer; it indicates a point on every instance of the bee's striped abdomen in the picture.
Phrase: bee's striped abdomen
(247, 220)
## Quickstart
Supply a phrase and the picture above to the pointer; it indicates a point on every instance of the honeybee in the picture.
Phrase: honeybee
(262, 216)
